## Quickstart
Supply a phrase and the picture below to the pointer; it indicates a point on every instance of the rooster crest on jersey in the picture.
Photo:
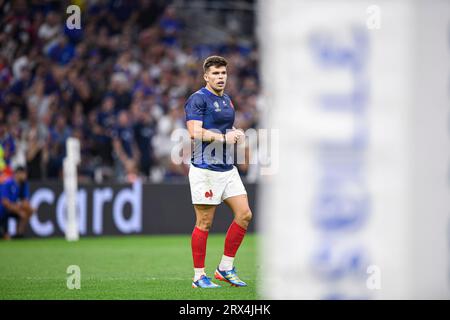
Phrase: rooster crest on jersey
(209, 194)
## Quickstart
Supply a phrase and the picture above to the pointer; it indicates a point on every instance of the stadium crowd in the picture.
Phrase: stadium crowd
(118, 84)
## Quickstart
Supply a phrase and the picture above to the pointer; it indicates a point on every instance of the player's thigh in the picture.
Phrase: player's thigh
(234, 186)
(240, 207)
(204, 214)
(206, 186)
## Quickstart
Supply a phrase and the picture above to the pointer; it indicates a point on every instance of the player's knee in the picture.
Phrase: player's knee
(204, 224)
(246, 215)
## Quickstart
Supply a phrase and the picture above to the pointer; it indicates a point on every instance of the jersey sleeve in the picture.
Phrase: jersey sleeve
(195, 108)
(24, 192)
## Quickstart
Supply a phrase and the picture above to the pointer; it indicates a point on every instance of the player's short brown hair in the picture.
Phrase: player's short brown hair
(215, 61)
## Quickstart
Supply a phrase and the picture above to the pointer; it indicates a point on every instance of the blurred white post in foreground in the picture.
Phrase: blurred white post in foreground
(360, 206)
(70, 187)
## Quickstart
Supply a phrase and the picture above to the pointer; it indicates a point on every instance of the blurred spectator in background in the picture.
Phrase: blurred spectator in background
(144, 131)
(16, 93)
(37, 99)
(36, 153)
(50, 29)
(126, 152)
(58, 135)
(61, 51)
(170, 26)
(163, 144)
(148, 13)
(15, 129)
(8, 148)
(102, 129)
(119, 90)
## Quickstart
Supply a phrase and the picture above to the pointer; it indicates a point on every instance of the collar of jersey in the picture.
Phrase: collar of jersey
(212, 94)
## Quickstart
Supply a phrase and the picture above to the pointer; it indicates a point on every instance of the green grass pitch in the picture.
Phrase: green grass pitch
(128, 267)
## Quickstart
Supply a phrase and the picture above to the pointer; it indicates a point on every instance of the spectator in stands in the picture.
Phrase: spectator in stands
(170, 25)
(36, 153)
(58, 135)
(15, 130)
(163, 143)
(120, 91)
(144, 131)
(37, 98)
(126, 152)
(61, 51)
(8, 146)
(50, 29)
(102, 128)
(16, 93)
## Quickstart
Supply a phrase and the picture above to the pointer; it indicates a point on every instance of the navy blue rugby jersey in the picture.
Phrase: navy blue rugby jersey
(217, 114)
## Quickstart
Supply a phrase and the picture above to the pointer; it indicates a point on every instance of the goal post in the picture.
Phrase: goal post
(70, 188)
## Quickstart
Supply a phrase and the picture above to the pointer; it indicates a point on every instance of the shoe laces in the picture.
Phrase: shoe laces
(205, 279)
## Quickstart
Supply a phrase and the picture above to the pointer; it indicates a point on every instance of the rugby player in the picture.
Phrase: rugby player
(213, 178)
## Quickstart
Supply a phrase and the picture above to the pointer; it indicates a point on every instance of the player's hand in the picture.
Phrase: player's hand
(241, 136)
(231, 137)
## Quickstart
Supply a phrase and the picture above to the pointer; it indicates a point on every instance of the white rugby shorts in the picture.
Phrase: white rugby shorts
(212, 187)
